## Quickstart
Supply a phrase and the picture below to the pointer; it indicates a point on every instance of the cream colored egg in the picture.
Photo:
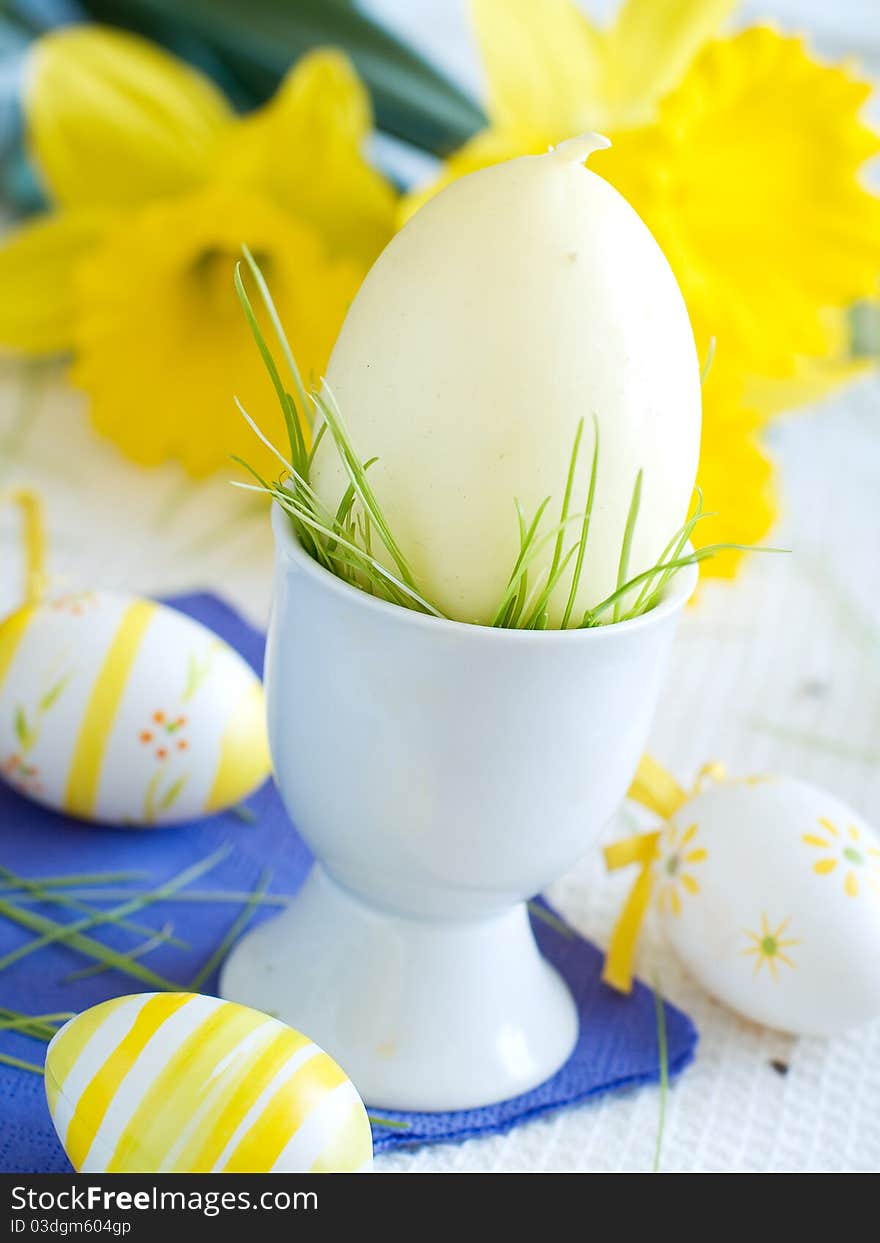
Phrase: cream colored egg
(180, 1083)
(121, 710)
(769, 891)
(521, 299)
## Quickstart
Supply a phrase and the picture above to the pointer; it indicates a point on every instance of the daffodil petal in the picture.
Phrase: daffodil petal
(305, 148)
(813, 378)
(544, 65)
(37, 265)
(650, 46)
(114, 121)
(751, 182)
(736, 477)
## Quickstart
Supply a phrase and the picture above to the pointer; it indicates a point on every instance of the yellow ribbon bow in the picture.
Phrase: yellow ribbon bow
(34, 541)
(654, 788)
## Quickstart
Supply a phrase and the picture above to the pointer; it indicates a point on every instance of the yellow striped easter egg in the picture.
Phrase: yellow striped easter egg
(179, 1083)
(124, 711)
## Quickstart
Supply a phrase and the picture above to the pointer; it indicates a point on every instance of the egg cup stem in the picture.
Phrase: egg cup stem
(425, 1015)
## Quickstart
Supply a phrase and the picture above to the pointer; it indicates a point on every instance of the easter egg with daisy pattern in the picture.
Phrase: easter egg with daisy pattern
(120, 710)
(178, 1083)
(769, 891)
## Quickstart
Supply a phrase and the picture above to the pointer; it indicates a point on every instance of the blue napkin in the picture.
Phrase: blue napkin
(618, 1043)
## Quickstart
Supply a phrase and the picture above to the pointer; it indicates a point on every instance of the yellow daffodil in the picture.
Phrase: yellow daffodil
(156, 183)
(743, 155)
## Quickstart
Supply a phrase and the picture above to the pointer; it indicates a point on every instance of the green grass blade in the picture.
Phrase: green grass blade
(393, 1124)
(356, 473)
(20, 1064)
(280, 334)
(518, 579)
(238, 926)
(74, 879)
(288, 503)
(585, 530)
(35, 889)
(663, 1058)
(72, 935)
(37, 1026)
(540, 606)
(294, 431)
(626, 545)
(551, 920)
(220, 896)
(138, 952)
(534, 551)
(566, 497)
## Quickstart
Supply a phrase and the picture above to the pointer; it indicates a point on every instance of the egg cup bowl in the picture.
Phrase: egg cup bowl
(441, 773)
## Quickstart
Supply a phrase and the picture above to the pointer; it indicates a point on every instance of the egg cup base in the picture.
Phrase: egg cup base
(422, 1014)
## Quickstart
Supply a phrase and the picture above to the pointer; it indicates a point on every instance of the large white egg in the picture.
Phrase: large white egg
(121, 710)
(180, 1083)
(769, 891)
(521, 299)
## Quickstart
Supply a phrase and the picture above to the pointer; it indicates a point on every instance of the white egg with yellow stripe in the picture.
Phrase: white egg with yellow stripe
(124, 711)
(181, 1083)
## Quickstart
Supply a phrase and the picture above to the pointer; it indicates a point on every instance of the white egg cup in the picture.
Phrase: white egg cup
(442, 774)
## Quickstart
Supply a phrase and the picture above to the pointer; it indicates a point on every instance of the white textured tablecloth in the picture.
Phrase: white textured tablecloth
(780, 671)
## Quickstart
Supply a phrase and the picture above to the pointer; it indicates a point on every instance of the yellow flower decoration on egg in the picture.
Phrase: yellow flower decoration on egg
(678, 853)
(849, 852)
(768, 946)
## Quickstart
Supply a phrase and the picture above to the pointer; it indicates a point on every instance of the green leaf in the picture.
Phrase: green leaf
(171, 795)
(22, 732)
(256, 41)
(53, 693)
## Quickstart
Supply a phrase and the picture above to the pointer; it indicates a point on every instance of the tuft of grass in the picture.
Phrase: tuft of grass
(342, 542)
(73, 935)
(37, 890)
